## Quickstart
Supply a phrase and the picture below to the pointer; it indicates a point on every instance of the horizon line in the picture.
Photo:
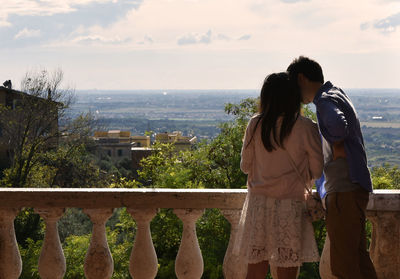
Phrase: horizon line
(231, 89)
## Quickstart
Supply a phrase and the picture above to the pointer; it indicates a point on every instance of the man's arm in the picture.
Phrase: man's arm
(334, 120)
(338, 150)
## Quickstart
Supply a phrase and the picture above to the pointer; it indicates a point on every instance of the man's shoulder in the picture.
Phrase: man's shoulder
(332, 92)
(332, 95)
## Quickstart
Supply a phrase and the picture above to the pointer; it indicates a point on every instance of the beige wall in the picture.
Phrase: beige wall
(116, 152)
(3, 148)
(144, 141)
(2, 97)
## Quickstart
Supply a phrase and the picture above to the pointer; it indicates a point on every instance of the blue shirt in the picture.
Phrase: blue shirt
(337, 121)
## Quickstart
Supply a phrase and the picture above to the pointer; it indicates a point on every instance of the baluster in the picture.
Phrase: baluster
(325, 261)
(383, 250)
(98, 262)
(233, 267)
(143, 260)
(52, 261)
(189, 261)
(385, 243)
(10, 258)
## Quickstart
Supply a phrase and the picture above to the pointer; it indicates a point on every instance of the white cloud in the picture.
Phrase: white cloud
(388, 24)
(92, 39)
(194, 38)
(245, 37)
(223, 37)
(207, 38)
(193, 23)
(4, 23)
(310, 25)
(304, 25)
(146, 40)
(43, 7)
(269, 33)
(188, 39)
(293, 1)
(61, 22)
(29, 8)
(28, 33)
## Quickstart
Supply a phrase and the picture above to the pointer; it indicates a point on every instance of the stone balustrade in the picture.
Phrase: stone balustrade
(142, 205)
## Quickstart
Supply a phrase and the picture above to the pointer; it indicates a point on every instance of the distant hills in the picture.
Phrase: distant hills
(198, 112)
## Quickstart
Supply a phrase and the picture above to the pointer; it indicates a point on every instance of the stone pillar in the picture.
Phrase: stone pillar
(189, 261)
(10, 263)
(234, 267)
(98, 262)
(325, 263)
(52, 261)
(143, 261)
(385, 243)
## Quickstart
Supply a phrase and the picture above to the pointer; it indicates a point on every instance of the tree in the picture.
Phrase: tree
(386, 177)
(30, 125)
(48, 147)
(42, 136)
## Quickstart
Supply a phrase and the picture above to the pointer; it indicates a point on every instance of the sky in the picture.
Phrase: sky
(199, 44)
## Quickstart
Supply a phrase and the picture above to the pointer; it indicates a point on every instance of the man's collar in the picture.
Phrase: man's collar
(324, 88)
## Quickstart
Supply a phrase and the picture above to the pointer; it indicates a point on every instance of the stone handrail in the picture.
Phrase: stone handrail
(142, 204)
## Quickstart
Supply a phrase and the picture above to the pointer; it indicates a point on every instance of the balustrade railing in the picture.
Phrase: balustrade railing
(142, 205)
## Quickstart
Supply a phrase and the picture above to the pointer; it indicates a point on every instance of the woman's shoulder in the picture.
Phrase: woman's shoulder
(254, 119)
(255, 116)
(306, 122)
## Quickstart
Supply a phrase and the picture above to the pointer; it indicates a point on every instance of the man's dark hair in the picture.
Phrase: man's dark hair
(306, 66)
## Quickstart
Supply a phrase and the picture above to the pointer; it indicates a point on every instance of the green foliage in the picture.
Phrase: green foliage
(244, 110)
(212, 164)
(73, 222)
(165, 168)
(382, 144)
(30, 256)
(75, 248)
(307, 112)
(386, 177)
(166, 231)
(124, 183)
(28, 225)
(213, 232)
(72, 167)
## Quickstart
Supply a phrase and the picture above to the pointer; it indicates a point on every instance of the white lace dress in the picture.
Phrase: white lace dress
(277, 231)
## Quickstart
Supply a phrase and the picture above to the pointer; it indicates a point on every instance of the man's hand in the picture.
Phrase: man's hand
(338, 150)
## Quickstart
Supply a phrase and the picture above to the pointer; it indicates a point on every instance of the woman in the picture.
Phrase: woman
(274, 228)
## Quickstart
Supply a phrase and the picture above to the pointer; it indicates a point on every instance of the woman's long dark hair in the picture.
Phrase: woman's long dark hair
(278, 97)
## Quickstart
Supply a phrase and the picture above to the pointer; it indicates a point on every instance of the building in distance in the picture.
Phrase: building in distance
(118, 144)
(180, 142)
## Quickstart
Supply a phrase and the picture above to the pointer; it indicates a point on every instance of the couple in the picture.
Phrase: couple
(282, 151)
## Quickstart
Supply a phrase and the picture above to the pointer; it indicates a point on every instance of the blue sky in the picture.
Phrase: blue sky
(199, 44)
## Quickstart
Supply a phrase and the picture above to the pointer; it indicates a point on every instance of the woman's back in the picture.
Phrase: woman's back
(271, 173)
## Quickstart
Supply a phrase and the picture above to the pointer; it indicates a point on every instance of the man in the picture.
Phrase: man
(347, 178)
